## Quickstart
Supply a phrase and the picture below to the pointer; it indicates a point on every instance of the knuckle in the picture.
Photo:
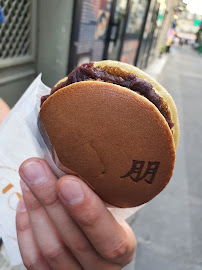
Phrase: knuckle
(81, 246)
(117, 252)
(33, 205)
(22, 224)
(49, 199)
(53, 253)
(32, 263)
(91, 218)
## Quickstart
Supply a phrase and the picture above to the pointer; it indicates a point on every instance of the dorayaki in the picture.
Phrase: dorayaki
(116, 127)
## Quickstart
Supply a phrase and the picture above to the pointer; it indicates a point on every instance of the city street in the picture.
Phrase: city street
(156, 36)
(169, 228)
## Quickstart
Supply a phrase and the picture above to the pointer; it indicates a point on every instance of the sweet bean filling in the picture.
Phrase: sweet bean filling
(116, 76)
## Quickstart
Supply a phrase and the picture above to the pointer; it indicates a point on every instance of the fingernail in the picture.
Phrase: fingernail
(21, 206)
(33, 172)
(23, 185)
(71, 192)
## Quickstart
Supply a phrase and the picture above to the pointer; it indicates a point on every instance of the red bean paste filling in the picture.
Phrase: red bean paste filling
(116, 76)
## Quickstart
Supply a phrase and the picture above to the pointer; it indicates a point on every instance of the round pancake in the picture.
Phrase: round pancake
(159, 89)
(114, 138)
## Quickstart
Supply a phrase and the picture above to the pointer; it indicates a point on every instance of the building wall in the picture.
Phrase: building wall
(12, 89)
(188, 26)
(54, 34)
(51, 24)
(186, 22)
(17, 49)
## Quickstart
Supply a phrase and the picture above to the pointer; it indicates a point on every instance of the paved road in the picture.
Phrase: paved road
(169, 228)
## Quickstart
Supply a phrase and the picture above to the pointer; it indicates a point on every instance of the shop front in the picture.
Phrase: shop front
(110, 29)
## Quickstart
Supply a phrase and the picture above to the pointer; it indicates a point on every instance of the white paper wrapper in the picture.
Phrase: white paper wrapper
(20, 139)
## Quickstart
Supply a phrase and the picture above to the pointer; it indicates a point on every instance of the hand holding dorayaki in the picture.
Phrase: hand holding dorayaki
(64, 224)
(115, 127)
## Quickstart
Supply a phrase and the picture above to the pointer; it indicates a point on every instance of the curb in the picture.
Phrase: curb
(156, 68)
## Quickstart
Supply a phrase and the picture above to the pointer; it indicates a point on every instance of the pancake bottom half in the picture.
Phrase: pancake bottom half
(115, 139)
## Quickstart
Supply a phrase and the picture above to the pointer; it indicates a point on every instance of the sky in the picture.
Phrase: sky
(195, 6)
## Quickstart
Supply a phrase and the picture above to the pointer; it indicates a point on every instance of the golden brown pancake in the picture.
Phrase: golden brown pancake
(114, 138)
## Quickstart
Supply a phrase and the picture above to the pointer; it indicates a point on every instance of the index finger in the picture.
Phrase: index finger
(106, 235)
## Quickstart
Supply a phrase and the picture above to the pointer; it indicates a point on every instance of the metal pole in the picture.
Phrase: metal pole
(142, 32)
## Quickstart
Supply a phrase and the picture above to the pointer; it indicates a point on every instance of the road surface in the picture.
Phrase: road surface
(169, 228)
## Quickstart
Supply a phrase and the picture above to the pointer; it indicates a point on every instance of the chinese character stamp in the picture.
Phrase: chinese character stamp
(136, 173)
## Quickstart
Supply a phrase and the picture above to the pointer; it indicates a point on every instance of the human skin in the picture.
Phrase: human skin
(4, 110)
(63, 224)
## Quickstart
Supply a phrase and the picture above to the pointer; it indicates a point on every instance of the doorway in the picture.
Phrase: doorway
(125, 30)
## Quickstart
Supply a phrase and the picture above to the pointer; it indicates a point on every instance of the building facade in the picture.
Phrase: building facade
(53, 37)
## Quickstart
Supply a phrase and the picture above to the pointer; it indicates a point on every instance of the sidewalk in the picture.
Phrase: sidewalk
(169, 228)
(156, 68)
